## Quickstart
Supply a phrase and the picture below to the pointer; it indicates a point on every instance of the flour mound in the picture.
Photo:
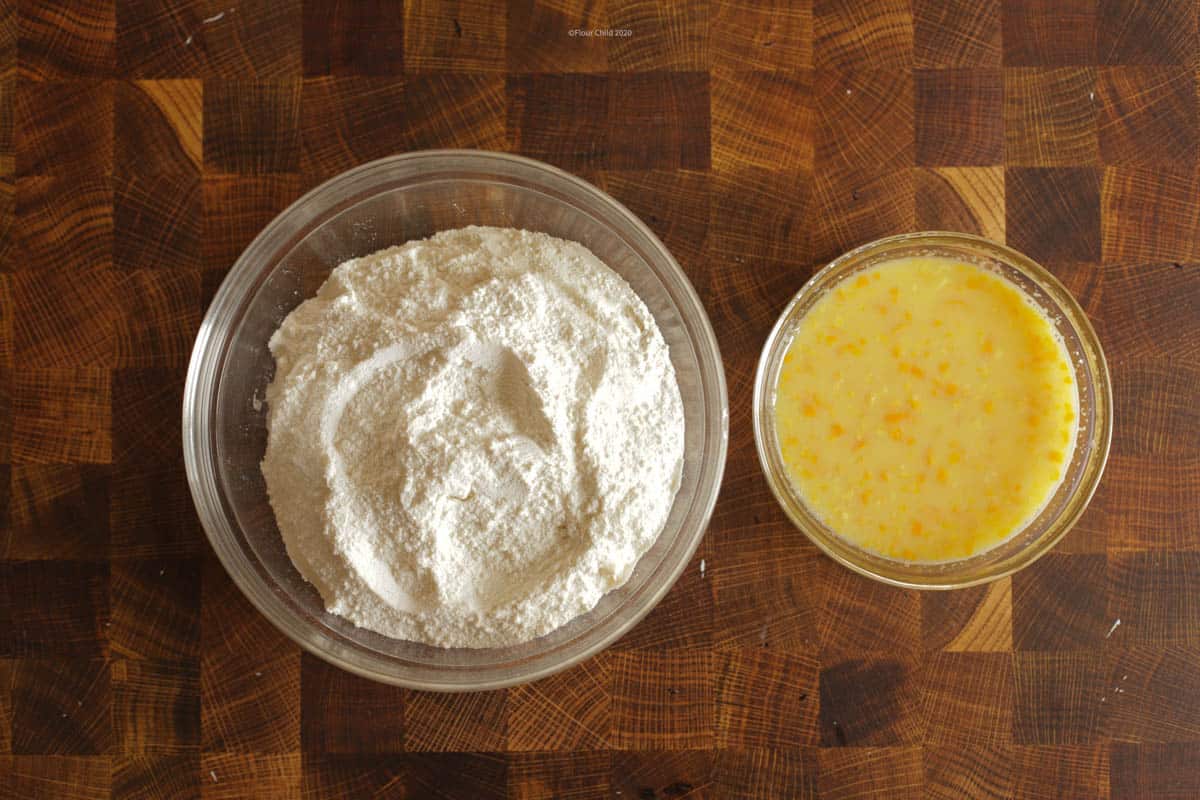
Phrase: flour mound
(472, 438)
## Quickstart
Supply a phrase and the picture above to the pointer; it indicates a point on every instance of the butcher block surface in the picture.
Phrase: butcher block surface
(142, 146)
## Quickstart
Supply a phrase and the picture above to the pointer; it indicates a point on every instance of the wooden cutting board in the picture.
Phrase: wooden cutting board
(142, 148)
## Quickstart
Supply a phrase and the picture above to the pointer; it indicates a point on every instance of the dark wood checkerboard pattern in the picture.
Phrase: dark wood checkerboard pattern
(142, 146)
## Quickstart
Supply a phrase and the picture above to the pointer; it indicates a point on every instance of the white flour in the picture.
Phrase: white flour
(472, 437)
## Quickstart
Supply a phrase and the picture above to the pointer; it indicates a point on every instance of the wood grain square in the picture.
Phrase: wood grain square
(235, 210)
(54, 608)
(448, 776)
(249, 675)
(1163, 771)
(1148, 115)
(62, 415)
(967, 199)
(449, 110)
(560, 119)
(953, 771)
(158, 128)
(161, 311)
(155, 706)
(145, 416)
(61, 41)
(6, 327)
(44, 778)
(760, 36)
(155, 608)
(682, 619)
(978, 619)
(1057, 697)
(258, 39)
(1050, 116)
(8, 192)
(57, 512)
(1130, 32)
(1157, 394)
(959, 117)
(861, 616)
(570, 710)
(662, 774)
(7, 667)
(6, 426)
(853, 34)
(559, 776)
(62, 223)
(860, 205)
(61, 707)
(461, 35)
(348, 121)
(343, 713)
(241, 775)
(855, 772)
(151, 514)
(152, 38)
(1156, 596)
(8, 92)
(1149, 694)
(765, 699)
(1149, 501)
(1149, 214)
(1145, 305)
(63, 128)
(1048, 33)
(967, 700)
(658, 121)
(67, 318)
(757, 774)
(762, 120)
(870, 702)
(765, 598)
(1059, 603)
(157, 222)
(665, 35)
(1054, 214)
(746, 217)
(455, 722)
(956, 33)
(351, 777)
(662, 699)
(864, 119)
(251, 127)
(676, 204)
(544, 36)
(154, 777)
(1048, 772)
(364, 38)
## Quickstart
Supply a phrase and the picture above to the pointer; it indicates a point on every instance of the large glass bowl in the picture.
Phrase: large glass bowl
(1091, 444)
(384, 203)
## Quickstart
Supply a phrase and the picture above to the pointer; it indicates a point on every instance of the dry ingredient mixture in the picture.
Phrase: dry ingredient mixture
(472, 438)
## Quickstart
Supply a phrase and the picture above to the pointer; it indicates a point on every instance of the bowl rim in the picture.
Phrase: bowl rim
(202, 385)
(1100, 438)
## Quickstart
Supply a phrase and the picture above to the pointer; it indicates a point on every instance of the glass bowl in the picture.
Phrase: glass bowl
(388, 202)
(1092, 440)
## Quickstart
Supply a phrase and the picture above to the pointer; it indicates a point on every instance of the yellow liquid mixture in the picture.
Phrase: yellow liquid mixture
(926, 410)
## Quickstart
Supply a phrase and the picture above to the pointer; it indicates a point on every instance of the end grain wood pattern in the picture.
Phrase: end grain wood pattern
(143, 144)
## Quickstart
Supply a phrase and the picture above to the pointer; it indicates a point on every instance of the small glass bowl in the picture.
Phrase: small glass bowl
(384, 203)
(1092, 440)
